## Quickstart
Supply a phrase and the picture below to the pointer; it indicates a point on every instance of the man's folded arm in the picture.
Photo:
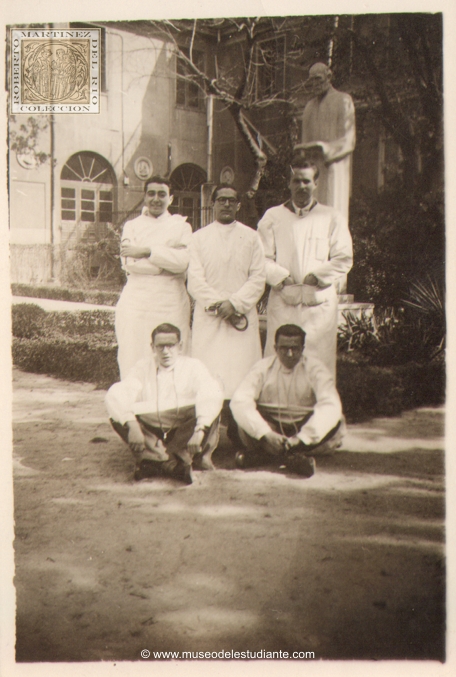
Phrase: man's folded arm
(174, 259)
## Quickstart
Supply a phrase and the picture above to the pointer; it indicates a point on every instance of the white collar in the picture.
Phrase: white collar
(145, 212)
(303, 211)
(233, 223)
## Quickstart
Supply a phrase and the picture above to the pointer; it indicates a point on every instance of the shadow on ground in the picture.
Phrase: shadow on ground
(348, 564)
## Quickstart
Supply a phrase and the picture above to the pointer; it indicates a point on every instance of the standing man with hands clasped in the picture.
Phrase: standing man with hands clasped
(226, 278)
(154, 248)
(308, 248)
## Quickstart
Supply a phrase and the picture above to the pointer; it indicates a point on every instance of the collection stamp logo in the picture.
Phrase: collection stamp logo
(55, 71)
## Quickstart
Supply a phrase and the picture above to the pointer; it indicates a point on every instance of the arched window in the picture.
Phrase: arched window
(87, 191)
(186, 181)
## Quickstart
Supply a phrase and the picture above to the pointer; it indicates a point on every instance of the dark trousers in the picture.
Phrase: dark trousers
(171, 451)
(258, 452)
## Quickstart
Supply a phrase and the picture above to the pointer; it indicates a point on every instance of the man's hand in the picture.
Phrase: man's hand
(285, 283)
(226, 310)
(274, 443)
(134, 252)
(135, 437)
(195, 442)
(311, 280)
(292, 442)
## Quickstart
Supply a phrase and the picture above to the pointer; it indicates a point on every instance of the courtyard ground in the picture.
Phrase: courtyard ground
(347, 564)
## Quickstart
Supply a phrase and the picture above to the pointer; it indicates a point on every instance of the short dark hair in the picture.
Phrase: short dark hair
(220, 186)
(290, 330)
(166, 328)
(158, 179)
(300, 162)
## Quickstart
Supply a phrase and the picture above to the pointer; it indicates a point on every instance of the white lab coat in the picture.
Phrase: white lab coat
(155, 291)
(288, 394)
(226, 262)
(318, 243)
(146, 390)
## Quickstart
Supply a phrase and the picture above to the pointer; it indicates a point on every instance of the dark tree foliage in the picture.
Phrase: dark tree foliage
(392, 66)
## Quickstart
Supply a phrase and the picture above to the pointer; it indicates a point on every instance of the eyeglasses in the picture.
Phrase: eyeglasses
(223, 200)
(164, 346)
(296, 350)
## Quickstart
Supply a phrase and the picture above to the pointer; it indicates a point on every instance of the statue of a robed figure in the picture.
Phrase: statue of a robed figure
(329, 137)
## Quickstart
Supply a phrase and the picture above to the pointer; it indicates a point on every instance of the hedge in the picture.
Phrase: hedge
(81, 346)
(68, 359)
(77, 346)
(104, 298)
(367, 391)
(31, 321)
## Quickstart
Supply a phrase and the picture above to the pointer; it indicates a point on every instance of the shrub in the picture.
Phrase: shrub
(413, 333)
(73, 360)
(30, 321)
(367, 391)
(72, 345)
(27, 320)
(81, 323)
(97, 297)
(93, 264)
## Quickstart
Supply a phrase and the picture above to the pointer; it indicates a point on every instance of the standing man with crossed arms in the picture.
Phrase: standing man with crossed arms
(154, 248)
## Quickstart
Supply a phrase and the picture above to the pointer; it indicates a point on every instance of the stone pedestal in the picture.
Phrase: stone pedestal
(347, 305)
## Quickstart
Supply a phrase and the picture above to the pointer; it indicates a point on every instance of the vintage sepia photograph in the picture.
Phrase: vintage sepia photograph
(227, 271)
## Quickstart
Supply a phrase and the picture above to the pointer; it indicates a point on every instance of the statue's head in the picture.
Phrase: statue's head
(319, 80)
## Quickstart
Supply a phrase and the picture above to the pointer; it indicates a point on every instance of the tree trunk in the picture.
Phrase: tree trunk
(260, 157)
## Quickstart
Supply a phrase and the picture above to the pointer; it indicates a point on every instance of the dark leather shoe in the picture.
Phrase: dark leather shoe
(183, 472)
(201, 462)
(301, 465)
(249, 459)
(239, 460)
(147, 468)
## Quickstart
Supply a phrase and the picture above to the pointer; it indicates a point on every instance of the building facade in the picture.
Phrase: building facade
(153, 120)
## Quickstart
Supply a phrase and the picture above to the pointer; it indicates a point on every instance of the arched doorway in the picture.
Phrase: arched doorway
(186, 181)
(87, 195)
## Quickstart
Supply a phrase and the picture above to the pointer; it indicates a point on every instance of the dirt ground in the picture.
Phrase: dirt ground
(347, 564)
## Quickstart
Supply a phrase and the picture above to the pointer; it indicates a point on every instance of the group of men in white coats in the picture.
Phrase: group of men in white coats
(300, 249)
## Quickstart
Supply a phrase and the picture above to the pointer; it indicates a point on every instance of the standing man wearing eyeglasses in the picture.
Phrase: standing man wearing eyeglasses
(287, 407)
(226, 278)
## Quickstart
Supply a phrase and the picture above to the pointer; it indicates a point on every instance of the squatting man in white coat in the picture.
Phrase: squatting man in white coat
(154, 249)
(308, 247)
(226, 278)
(287, 407)
(167, 410)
